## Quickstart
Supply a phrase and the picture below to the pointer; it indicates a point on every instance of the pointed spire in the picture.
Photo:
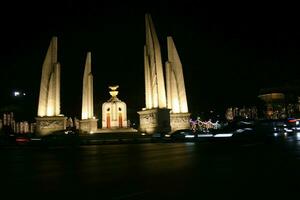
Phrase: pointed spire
(49, 98)
(87, 90)
(154, 78)
(175, 82)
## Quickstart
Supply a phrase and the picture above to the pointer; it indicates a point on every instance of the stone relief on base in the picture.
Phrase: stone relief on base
(51, 124)
(180, 121)
(148, 119)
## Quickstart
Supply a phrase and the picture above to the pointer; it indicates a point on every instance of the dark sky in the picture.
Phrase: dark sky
(228, 51)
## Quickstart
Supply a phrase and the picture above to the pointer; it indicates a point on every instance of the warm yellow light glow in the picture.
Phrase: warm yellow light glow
(50, 110)
(113, 93)
(84, 115)
(272, 96)
(175, 81)
(114, 111)
(49, 98)
(175, 105)
(113, 88)
(87, 90)
(154, 79)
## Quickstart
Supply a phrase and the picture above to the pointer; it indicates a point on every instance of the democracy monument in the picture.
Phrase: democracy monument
(162, 114)
(88, 121)
(49, 118)
(165, 109)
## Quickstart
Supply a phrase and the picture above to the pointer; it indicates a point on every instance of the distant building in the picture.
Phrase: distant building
(11, 126)
(281, 102)
(243, 113)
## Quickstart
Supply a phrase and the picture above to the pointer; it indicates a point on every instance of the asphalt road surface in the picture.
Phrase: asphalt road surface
(210, 170)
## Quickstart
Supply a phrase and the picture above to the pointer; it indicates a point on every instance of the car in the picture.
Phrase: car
(8, 139)
(182, 135)
(63, 137)
(15, 139)
(245, 130)
(292, 126)
(22, 139)
(236, 130)
(271, 128)
(159, 137)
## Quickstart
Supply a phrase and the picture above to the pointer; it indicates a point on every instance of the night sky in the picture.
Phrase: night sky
(229, 52)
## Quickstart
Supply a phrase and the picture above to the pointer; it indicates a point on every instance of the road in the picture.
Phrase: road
(153, 171)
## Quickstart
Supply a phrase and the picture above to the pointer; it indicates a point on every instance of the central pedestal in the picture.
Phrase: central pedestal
(88, 125)
(155, 120)
(47, 125)
(180, 121)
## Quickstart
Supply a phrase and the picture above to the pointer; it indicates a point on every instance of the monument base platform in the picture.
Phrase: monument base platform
(116, 130)
(47, 125)
(155, 120)
(88, 125)
(179, 121)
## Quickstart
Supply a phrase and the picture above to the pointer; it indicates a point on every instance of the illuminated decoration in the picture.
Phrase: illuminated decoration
(114, 111)
(49, 99)
(198, 125)
(193, 124)
(156, 116)
(88, 123)
(49, 118)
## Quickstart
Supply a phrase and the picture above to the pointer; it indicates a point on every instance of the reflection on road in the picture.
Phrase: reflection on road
(145, 171)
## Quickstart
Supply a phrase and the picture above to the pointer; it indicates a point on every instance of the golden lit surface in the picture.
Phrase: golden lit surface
(154, 79)
(113, 88)
(50, 111)
(87, 90)
(175, 81)
(272, 96)
(49, 98)
(114, 111)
